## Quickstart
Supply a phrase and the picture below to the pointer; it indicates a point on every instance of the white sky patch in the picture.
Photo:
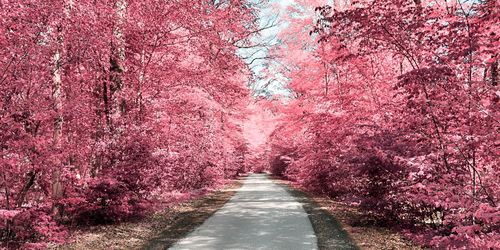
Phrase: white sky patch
(275, 85)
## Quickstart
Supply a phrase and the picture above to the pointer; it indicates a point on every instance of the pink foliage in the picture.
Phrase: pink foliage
(396, 108)
(107, 105)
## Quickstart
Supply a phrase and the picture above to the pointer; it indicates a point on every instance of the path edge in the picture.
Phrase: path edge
(190, 221)
(328, 230)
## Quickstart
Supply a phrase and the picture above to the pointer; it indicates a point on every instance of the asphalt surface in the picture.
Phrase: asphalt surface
(261, 215)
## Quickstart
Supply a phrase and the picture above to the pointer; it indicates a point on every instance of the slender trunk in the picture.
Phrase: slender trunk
(339, 89)
(142, 75)
(325, 66)
(117, 59)
(105, 99)
(469, 108)
(31, 177)
(494, 73)
(114, 104)
(474, 184)
(57, 186)
(7, 223)
(7, 192)
(414, 63)
(327, 80)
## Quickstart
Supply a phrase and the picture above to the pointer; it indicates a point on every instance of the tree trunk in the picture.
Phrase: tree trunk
(57, 186)
(117, 59)
(29, 183)
(57, 189)
(494, 73)
(7, 192)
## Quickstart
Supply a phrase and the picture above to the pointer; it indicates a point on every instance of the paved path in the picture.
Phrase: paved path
(261, 215)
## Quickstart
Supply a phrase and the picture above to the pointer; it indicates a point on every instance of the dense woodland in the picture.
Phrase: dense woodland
(397, 110)
(107, 106)
(110, 109)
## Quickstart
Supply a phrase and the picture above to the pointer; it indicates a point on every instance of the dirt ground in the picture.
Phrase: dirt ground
(326, 214)
(165, 227)
(158, 231)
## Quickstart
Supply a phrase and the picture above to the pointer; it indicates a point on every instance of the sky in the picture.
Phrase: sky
(276, 86)
(274, 12)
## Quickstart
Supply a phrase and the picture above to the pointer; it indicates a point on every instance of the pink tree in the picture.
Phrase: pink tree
(398, 102)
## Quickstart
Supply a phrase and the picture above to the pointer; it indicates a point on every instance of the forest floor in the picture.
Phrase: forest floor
(330, 220)
(326, 213)
(158, 231)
